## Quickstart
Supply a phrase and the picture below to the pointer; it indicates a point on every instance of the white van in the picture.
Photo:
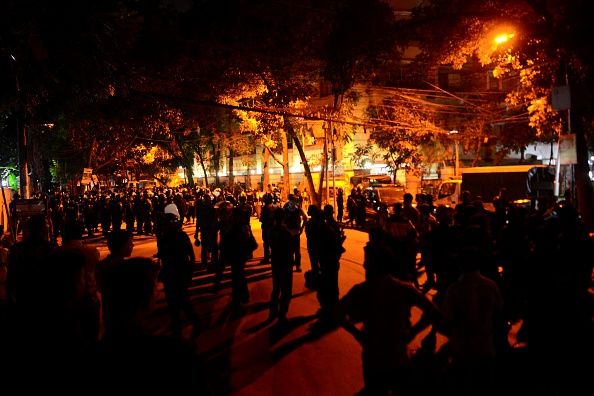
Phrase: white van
(522, 182)
(449, 192)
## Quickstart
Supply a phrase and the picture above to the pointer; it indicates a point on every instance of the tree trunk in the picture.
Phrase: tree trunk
(230, 177)
(248, 178)
(286, 181)
(216, 156)
(23, 160)
(190, 176)
(203, 168)
(314, 196)
(265, 175)
(394, 168)
(323, 171)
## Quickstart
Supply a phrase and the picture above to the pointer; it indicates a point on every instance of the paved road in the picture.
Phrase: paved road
(243, 355)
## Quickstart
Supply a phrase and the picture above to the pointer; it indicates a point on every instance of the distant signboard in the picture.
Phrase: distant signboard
(87, 176)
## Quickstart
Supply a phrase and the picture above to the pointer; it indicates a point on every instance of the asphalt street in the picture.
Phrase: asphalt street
(243, 354)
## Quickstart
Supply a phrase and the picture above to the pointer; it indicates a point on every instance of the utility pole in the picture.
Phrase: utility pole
(561, 100)
(457, 164)
(286, 174)
(454, 134)
(326, 161)
(333, 152)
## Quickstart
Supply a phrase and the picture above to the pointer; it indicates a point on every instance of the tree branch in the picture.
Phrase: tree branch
(274, 157)
(117, 155)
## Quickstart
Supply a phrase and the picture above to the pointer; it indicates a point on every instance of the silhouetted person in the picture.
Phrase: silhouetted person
(473, 305)
(53, 339)
(558, 322)
(351, 207)
(236, 252)
(267, 220)
(71, 240)
(331, 239)
(360, 208)
(120, 244)
(339, 205)
(404, 239)
(208, 225)
(295, 219)
(115, 207)
(409, 212)
(464, 210)
(176, 253)
(282, 268)
(26, 261)
(130, 358)
(383, 304)
(427, 223)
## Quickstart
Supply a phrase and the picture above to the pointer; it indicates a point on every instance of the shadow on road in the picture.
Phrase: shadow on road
(316, 331)
(281, 329)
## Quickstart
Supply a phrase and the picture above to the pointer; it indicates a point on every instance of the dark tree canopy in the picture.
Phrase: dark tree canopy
(549, 49)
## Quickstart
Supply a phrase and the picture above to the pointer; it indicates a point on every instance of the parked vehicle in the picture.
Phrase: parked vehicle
(524, 184)
(378, 197)
(365, 181)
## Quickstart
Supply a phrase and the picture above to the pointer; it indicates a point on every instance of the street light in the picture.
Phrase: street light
(454, 133)
(494, 41)
(503, 38)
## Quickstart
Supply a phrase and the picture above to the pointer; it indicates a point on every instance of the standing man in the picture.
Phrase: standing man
(331, 239)
(295, 219)
(409, 211)
(176, 253)
(267, 220)
(305, 198)
(383, 304)
(474, 307)
(281, 242)
(339, 205)
(208, 224)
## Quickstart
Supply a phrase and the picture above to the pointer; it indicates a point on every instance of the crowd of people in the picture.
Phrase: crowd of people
(486, 270)
(483, 270)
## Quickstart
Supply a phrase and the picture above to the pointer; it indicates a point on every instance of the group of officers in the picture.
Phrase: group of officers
(219, 215)
(282, 227)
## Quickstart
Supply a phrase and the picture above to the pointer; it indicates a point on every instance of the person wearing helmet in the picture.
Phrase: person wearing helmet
(177, 257)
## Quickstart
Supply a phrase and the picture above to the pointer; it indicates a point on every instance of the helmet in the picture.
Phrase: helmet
(172, 209)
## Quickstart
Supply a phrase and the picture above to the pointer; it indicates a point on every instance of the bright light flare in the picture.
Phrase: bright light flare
(503, 38)
(494, 43)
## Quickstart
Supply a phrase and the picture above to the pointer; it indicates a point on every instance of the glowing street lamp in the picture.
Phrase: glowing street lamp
(503, 38)
(494, 41)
